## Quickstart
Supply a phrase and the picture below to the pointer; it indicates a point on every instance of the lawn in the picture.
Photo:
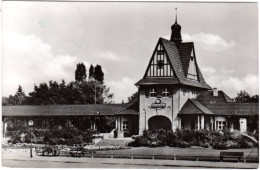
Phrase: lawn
(193, 151)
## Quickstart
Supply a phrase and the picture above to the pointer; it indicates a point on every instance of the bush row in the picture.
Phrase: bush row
(187, 138)
(68, 136)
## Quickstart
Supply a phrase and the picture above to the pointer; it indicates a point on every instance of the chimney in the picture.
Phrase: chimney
(215, 92)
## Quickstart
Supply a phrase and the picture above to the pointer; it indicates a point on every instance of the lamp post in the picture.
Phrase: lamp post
(98, 112)
(144, 119)
(30, 125)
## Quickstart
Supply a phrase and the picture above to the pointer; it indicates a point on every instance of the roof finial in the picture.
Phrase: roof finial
(176, 16)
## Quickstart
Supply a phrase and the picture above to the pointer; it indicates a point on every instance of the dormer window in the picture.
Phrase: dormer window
(152, 92)
(165, 92)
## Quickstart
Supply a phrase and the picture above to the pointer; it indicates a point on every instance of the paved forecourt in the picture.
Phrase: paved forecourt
(22, 159)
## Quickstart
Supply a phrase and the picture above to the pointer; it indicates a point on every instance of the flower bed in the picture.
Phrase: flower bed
(187, 138)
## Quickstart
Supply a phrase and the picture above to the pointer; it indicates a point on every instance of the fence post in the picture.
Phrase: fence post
(111, 155)
(132, 157)
(92, 156)
(153, 156)
(174, 157)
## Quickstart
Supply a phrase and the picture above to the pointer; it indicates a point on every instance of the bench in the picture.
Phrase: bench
(224, 154)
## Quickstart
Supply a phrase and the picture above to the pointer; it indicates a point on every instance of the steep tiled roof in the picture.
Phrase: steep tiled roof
(174, 56)
(192, 106)
(185, 53)
(200, 106)
(206, 97)
(132, 108)
(219, 105)
(62, 110)
(180, 63)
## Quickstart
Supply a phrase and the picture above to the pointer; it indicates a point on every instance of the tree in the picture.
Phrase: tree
(75, 92)
(5, 101)
(80, 73)
(244, 97)
(19, 96)
(133, 96)
(91, 72)
(40, 95)
(54, 93)
(98, 74)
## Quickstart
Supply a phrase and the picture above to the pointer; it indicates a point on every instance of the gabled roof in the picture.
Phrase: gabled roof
(206, 97)
(218, 105)
(174, 56)
(179, 61)
(192, 106)
(62, 110)
(185, 53)
(132, 108)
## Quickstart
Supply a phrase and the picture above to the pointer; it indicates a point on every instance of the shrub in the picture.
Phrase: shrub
(206, 145)
(171, 138)
(183, 144)
(220, 145)
(161, 137)
(216, 136)
(139, 141)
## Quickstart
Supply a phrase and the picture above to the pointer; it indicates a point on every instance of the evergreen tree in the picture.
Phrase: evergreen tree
(98, 74)
(19, 96)
(91, 72)
(80, 73)
(133, 96)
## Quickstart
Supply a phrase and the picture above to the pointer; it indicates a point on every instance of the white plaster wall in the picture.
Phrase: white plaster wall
(174, 104)
(147, 112)
(180, 96)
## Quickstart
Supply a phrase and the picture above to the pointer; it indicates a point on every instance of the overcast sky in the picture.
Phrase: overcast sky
(44, 41)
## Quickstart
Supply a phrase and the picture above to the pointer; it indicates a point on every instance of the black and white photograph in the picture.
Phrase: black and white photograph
(130, 84)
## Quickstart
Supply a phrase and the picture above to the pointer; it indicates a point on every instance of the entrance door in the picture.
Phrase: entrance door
(159, 122)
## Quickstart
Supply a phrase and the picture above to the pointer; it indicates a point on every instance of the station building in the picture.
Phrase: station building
(172, 94)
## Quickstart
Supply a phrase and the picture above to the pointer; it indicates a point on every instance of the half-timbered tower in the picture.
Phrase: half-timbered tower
(172, 76)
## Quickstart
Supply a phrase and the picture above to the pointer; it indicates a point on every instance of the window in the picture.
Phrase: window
(152, 92)
(221, 125)
(159, 52)
(160, 64)
(165, 92)
(125, 125)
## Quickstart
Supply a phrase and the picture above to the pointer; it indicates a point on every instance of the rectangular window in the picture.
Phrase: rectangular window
(152, 92)
(125, 125)
(221, 125)
(165, 92)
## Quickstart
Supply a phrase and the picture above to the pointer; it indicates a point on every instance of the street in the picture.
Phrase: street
(56, 164)
(21, 159)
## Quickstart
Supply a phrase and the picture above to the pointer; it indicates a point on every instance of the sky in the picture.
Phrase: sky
(44, 41)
